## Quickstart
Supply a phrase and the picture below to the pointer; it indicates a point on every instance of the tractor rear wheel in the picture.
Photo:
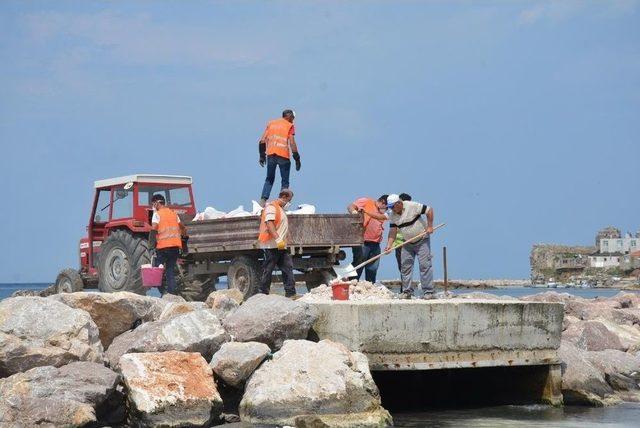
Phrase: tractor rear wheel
(121, 256)
(69, 281)
(244, 274)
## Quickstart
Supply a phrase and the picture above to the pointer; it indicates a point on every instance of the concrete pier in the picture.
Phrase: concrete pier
(450, 334)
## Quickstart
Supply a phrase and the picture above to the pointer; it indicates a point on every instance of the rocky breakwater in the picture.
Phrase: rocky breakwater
(600, 347)
(126, 360)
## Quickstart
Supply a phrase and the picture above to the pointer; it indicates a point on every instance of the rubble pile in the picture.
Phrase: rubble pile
(358, 290)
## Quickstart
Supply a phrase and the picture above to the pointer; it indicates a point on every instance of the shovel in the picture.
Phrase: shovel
(348, 271)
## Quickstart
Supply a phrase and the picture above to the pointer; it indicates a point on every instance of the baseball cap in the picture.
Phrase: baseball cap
(392, 199)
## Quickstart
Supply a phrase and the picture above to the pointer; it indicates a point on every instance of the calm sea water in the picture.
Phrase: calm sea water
(625, 415)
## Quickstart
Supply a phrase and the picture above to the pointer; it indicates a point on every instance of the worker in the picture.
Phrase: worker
(274, 231)
(399, 238)
(276, 146)
(373, 229)
(408, 217)
(165, 238)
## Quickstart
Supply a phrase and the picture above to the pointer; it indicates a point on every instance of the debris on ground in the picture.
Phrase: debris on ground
(358, 290)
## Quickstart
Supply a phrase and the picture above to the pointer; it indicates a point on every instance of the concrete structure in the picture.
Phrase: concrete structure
(626, 245)
(449, 334)
(605, 261)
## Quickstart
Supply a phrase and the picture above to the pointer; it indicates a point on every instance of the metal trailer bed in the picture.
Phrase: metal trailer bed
(230, 247)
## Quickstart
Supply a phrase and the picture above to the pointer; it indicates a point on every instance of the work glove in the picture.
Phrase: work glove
(281, 245)
(296, 157)
(262, 149)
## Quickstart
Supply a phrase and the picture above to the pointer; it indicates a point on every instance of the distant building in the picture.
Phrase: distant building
(625, 245)
(605, 261)
(613, 249)
(609, 232)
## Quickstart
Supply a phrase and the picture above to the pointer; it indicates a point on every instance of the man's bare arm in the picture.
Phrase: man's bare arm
(271, 228)
(393, 231)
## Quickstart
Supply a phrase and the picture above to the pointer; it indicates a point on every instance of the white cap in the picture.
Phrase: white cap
(392, 199)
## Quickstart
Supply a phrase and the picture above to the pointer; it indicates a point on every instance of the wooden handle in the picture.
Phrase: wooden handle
(408, 241)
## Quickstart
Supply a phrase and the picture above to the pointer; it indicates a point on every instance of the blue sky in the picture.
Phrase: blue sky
(517, 121)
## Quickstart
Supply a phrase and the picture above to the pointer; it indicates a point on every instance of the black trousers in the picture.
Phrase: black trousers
(168, 257)
(282, 259)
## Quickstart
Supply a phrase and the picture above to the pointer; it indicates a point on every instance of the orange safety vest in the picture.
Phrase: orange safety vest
(276, 136)
(265, 236)
(168, 229)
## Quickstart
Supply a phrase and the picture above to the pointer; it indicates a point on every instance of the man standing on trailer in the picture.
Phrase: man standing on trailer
(276, 146)
(165, 237)
(373, 229)
(407, 217)
(274, 231)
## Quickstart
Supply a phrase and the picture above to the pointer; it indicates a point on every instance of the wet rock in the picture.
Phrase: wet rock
(170, 389)
(582, 382)
(591, 336)
(236, 361)
(323, 381)
(197, 331)
(37, 331)
(270, 319)
(73, 395)
(232, 293)
(113, 313)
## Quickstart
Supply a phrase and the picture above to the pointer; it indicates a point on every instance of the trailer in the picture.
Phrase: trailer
(117, 241)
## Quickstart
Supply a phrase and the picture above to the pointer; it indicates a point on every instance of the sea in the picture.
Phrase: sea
(623, 415)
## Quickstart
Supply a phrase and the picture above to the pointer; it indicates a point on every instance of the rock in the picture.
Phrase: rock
(552, 297)
(170, 389)
(612, 361)
(628, 300)
(270, 319)
(72, 395)
(236, 361)
(591, 336)
(113, 313)
(174, 309)
(568, 320)
(37, 331)
(323, 381)
(223, 306)
(629, 336)
(482, 296)
(232, 293)
(197, 331)
(582, 382)
(48, 291)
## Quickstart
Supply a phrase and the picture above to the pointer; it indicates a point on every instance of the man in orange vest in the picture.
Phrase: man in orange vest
(165, 237)
(373, 228)
(274, 231)
(274, 146)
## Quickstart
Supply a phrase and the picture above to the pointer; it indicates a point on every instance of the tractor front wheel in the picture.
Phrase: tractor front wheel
(69, 281)
(121, 256)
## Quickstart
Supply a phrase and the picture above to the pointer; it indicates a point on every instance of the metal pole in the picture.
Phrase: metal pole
(446, 277)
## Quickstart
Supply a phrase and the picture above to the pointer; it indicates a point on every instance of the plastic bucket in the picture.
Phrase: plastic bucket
(151, 276)
(340, 291)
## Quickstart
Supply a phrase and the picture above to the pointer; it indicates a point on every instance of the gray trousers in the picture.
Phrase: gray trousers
(422, 250)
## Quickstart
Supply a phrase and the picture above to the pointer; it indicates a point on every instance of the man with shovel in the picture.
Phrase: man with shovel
(408, 217)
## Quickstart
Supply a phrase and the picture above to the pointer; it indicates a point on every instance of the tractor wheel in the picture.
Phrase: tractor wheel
(318, 277)
(69, 281)
(244, 274)
(121, 256)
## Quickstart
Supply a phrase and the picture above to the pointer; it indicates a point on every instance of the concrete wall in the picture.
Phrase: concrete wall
(413, 334)
(619, 245)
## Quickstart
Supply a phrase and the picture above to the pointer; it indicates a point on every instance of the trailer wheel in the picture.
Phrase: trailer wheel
(121, 256)
(69, 281)
(318, 277)
(244, 274)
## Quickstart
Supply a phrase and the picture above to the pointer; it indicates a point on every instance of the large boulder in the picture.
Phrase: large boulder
(174, 309)
(552, 297)
(582, 382)
(113, 313)
(321, 381)
(592, 336)
(37, 331)
(236, 361)
(232, 293)
(612, 362)
(627, 300)
(73, 395)
(170, 389)
(270, 319)
(629, 335)
(197, 331)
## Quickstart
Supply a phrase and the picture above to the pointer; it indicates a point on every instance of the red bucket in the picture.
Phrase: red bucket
(340, 290)
(151, 276)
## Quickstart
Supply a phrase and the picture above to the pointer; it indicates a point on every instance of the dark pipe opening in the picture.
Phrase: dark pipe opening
(418, 390)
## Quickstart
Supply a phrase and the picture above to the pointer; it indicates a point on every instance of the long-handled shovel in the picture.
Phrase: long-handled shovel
(345, 272)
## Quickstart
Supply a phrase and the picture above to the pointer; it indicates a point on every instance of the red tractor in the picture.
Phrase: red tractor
(117, 235)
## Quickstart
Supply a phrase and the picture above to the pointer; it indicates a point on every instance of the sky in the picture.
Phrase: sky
(517, 121)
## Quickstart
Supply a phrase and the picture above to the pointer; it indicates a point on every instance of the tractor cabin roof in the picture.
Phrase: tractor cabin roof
(143, 178)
